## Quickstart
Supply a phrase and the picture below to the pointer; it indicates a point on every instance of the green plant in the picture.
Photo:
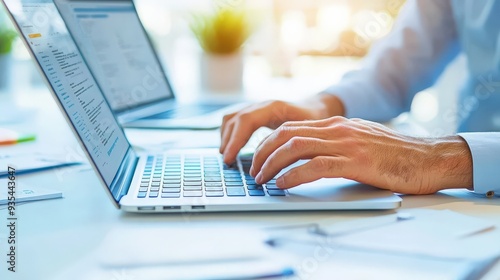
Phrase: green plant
(222, 32)
(7, 36)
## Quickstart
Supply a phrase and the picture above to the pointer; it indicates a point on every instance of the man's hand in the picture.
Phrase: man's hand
(237, 128)
(363, 151)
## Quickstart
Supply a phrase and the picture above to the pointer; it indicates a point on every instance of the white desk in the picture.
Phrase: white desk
(56, 234)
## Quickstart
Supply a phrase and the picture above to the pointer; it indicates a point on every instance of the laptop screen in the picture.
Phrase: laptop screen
(79, 95)
(117, 50)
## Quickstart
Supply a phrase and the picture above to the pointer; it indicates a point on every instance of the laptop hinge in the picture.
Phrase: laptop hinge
(122, 182)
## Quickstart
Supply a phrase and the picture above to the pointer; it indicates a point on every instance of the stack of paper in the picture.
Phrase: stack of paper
(428, 245)
(182, 253)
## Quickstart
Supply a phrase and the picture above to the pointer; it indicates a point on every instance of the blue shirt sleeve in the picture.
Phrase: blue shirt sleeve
(410, 59)
(485, 150)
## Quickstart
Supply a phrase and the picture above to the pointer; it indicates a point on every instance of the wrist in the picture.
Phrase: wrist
(325, 106)
(453, 168)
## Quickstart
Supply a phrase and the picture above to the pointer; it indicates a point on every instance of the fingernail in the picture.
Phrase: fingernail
(280, 182)
(258, 178)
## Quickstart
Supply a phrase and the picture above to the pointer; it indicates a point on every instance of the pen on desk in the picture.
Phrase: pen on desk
(16, 139)
(285, 273)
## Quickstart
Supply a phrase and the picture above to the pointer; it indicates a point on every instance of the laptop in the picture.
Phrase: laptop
(122, 58)
(173, 181)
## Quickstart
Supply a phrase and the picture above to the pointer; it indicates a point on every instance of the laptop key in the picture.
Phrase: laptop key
(213, 184)
(176, 170)
(145, 184)
(250, 182)
(171, 181)
(193, 194)
(143, 189)
(192, 168)
(256, 193)
(234, 179)
(230, 167)
(192, 179)
(213, 179)
(255, 187)
(171, 190)
(192, 184)
(272, 187)
(213, 189)
(214, 194)
(212, 174)
(168, 186)
(211, 169)
(192, 188)
(276, 192)
(235, 192)
(170, 195)
(171, 177)
(155, 184)
(153, 194)
(172, 173)
(155, 189)
(234, 184)
(141, 195)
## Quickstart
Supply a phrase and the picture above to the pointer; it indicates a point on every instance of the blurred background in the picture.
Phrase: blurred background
(296, 48)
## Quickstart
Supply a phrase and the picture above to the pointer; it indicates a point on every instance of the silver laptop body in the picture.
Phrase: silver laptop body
(174, 181)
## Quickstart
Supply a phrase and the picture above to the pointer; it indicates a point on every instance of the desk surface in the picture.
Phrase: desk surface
(56, 234)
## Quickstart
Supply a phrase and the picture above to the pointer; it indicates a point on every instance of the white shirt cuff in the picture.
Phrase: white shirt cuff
(485, 150)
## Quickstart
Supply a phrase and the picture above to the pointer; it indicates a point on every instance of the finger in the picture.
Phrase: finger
(240, 135)
(315, 123)
(225, 121)
(277, 139)
(226, 136)
(296, 149)
(315, 169)
(245, 124)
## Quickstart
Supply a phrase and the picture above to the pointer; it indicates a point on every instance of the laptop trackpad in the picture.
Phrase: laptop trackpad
(337, 190)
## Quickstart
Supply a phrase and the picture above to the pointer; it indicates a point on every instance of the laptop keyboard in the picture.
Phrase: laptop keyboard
(175, 176)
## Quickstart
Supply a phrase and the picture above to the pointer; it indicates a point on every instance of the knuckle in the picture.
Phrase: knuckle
(336, 119)
(227, 117)
(245, 117)
(289, 123)
(283, 131)
(297, 143)
(276, 103)
(342, 129)
(323, 163)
